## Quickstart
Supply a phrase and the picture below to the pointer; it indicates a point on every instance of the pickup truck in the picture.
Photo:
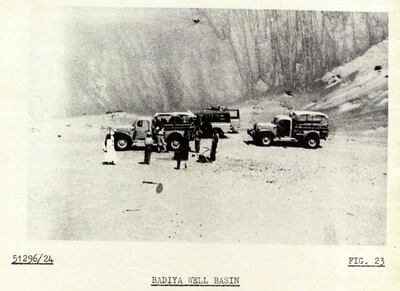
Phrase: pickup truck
(175, 127)
(234, 117)
(307, 127)
(212, 121)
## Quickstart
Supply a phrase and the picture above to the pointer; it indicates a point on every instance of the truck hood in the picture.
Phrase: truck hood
(124, 128)
(265, 125)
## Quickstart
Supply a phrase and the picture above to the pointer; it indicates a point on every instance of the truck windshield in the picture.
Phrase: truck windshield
(275, 120)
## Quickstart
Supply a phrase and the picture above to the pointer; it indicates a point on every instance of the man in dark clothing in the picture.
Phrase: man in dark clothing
(214, 145)
(148, 145)
(182, 154)
(197, 140)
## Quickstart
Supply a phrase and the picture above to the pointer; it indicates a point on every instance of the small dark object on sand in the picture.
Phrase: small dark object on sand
(129, 210)
(159, 188)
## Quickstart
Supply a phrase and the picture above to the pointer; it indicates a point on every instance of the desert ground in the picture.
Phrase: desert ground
(284, 194)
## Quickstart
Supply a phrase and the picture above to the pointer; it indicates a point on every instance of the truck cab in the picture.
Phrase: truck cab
(125, 137)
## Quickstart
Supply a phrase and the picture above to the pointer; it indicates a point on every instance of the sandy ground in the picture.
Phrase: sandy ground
(277, 195)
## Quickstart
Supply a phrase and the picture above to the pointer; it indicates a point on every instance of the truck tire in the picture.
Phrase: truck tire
(265, 139)
(174, 143)
(312, 141)
(122, 143)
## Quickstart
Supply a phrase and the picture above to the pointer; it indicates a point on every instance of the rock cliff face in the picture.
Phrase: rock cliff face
(291, 49)
(147, 60)
(356, 93)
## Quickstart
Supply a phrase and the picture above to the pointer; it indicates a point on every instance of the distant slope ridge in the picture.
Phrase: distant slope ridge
(359, 96)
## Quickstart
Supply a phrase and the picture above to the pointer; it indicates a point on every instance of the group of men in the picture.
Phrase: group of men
(181, 154)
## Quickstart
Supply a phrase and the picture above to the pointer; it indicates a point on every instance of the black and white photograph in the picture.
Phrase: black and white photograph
(208, 125)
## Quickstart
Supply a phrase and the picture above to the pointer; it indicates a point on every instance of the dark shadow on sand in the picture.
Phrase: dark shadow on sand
(283, 144)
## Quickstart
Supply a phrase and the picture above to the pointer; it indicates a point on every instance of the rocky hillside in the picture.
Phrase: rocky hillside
(147, 60)
(356, 94)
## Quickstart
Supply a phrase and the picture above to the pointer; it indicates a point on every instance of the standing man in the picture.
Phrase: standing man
(185, 148)
(197, 139)
(182, 154)
(148, 144)
(110, 156)
(161, 138)
(214, 145)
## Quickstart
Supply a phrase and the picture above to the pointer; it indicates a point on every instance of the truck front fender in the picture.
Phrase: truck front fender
(122, 134)
(265, 132)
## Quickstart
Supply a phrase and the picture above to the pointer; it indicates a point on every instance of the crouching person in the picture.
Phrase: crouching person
(148, 147)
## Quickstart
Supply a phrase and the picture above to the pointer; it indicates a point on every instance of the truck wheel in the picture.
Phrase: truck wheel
(174, 143)
(266, 139)
(312, 141)
(122, 143)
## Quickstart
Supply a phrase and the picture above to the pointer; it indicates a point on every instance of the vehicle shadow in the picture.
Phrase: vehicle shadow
(140, 149)
(210, 137)
(136, 149)
(280, 144)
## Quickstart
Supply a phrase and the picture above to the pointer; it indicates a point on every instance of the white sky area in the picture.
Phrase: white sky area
(47, 78)
(152, 16)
